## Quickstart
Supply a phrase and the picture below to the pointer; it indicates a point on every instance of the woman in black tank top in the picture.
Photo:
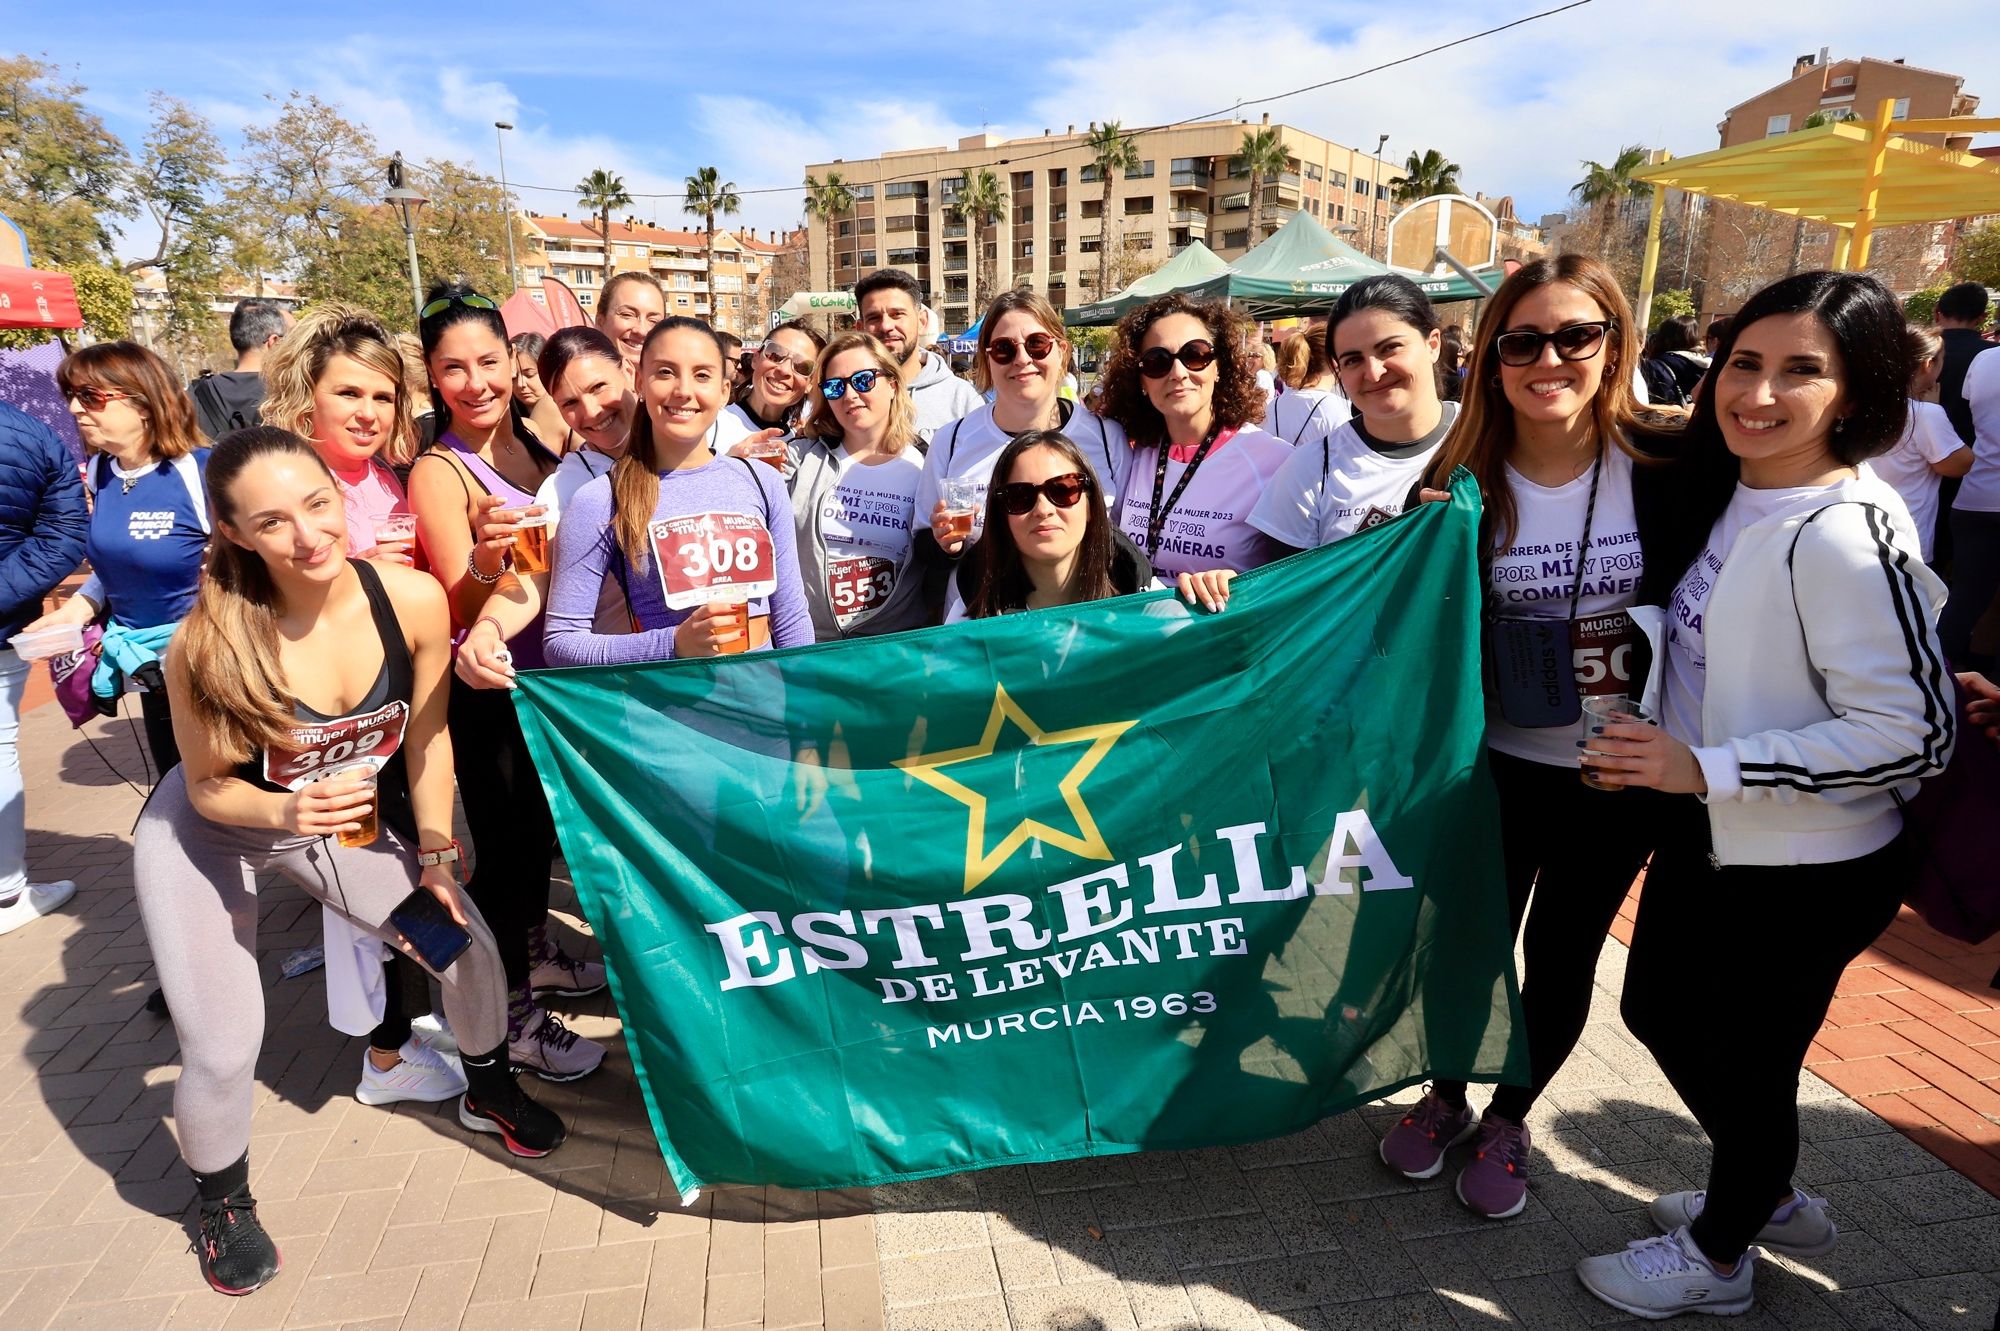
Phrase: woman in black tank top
(283, 707)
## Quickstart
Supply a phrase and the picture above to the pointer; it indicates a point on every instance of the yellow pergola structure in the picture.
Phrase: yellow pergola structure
(1853, 175)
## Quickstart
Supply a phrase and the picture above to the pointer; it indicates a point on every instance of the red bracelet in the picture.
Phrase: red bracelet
(488, 619)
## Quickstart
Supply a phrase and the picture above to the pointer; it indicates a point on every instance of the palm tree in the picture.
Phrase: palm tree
(1427, 174)
(1264, 155)
(708, 194)
(982, 202)
(827, 200)
(601, 192)
(1611, 189)
(1112, 150)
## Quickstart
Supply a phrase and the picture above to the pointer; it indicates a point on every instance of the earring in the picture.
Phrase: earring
(1839, 425)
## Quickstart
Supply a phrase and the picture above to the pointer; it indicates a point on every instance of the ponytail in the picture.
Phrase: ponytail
(635, 477)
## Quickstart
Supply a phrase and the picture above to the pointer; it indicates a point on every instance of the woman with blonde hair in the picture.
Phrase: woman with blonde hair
(1311, 407)
(149, 517)
(854, 494)
(337, 380)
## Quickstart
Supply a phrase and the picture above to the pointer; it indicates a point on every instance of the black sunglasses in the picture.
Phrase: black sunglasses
(1572, 342)
(444, 303)
(1198, 355)
(1018, 497)
(1002, 350)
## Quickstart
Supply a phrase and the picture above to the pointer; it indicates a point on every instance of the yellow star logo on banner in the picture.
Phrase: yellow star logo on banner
(980, 863)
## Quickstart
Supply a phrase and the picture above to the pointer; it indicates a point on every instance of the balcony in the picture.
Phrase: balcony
(954, 231)
(689, 290)
(675, 263)
(591, 257)
(955, 265)
(1189, 180)
(1191, 218)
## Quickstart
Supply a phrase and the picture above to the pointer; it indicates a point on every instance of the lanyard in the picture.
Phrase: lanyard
(1583, 547)
(1156, 517)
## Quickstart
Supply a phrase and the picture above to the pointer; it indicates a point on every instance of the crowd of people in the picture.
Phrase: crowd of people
(326, 605)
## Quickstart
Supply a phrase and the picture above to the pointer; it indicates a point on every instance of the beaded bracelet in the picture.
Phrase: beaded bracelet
(479, 575)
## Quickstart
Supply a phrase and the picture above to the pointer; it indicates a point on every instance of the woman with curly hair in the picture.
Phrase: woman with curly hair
(1182, 382)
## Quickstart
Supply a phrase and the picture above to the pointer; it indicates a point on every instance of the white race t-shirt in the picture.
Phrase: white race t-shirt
(1928, 438)
(1302, 416)
(866, 519)
(967, 448)
(1329, 491)
(1533, 578)
(1686, 676)
(1980, 491)
(1209, 526)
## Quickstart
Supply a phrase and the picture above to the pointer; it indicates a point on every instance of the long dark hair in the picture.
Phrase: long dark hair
(1121, 393)
(568, 346)
(1003, 579)
(635, 477)
(1867, 327)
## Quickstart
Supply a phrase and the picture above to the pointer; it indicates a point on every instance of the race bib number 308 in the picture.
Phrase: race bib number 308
(713, 556)
(371, 738)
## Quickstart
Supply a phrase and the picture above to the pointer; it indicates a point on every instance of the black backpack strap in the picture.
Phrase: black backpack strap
(208, 406)
(762, 498)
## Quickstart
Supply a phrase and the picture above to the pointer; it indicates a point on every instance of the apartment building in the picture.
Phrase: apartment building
(1190, 185)
(732, 297)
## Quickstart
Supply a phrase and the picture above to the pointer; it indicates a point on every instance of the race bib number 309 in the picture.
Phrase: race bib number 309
(371, 738)
(711, 557)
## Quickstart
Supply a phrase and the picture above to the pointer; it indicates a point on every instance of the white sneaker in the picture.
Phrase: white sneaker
(35, 901)
(560, 973)
(1668, 1276)
(1807, 1232)
(422, 1074)
(433, 1032)
(553, 1052)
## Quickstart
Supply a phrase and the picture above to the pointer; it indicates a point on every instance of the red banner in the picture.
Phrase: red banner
(31, 298)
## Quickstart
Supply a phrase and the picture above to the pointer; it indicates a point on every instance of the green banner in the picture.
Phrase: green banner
(1121, 877)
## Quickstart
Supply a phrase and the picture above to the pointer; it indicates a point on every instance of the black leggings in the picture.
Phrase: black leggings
(1731, 973)
(1975, 577)
(513, 833)
(1579, 850)
(159, 723)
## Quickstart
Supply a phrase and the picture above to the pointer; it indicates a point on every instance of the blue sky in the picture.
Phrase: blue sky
(760, 90)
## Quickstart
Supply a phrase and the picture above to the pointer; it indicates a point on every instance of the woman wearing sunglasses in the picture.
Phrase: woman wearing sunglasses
(1049, 541)
(1383, 340)
(778, 394)
(149, 521)
(854, 488)
(1182, 381)
(1548, 427)
(485, 460)
(1021, 358)
(681, 600)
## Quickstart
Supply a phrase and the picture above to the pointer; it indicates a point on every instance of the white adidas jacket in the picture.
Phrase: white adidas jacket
(1827, 698)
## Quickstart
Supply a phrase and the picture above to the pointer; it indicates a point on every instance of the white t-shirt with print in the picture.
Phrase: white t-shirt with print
(1686, 676)
(967, 448)
(578, 469)
(1533, 577)
(1209, 527)
(1302, 416)
(1926, 439)
(1980, 491)
(866, 521)
(1330, 491)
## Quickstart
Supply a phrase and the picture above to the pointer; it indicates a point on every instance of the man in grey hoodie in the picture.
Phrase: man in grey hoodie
(891, 306)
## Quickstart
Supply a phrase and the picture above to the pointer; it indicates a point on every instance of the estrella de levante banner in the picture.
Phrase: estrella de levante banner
(1118, 877)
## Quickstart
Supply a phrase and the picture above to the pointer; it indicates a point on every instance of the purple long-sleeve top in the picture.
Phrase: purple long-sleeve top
(586, 553)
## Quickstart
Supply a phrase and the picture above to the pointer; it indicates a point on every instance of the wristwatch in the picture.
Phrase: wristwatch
(443, 855)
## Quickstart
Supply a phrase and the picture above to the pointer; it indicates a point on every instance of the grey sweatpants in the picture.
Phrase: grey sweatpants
(197, 888)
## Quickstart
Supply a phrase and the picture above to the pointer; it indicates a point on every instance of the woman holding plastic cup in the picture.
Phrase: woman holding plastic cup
(1804, 697)
(337, 379)
(723, 575)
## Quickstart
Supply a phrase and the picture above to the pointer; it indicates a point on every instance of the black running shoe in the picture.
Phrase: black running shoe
(237, 1256)
(525, 1127)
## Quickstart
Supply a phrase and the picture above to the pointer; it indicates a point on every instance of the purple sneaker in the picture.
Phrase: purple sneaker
(1495, 1183)
(1415, 1147)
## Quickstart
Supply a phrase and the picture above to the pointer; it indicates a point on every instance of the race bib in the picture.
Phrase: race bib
(371, 738)
(1601, 647)
(858, 584)
(713, 557)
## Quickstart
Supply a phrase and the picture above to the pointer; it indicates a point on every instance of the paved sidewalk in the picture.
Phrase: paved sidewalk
(397, 1219)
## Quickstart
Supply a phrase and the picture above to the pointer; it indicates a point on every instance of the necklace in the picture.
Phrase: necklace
(128, 479)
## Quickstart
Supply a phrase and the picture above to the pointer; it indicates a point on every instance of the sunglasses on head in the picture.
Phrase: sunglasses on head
(1572, 342)
(1002, 350)
(443, 303)
(1018, 497)
(1198, 355)
(863, 381)
(776, 355)
(95, 399)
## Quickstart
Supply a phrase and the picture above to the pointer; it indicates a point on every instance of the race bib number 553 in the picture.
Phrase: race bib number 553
(371, 738)
(711, 557)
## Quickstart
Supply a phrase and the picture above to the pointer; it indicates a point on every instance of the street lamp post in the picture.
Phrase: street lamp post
(513, 270)
(1374, 224)
(406, 202)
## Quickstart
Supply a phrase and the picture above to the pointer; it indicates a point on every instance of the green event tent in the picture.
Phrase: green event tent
(1194, 264)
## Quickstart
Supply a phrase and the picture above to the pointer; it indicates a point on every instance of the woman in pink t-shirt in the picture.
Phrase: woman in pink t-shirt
(337, 380)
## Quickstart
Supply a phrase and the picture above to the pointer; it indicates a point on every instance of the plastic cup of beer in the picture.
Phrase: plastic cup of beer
(737, 614)
(1605, 709)
(960, 497)
(531, 544)
(396, 527)
(768, 450)
(369, 817)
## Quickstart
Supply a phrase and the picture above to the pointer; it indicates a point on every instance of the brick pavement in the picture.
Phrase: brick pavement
(398, 1219)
